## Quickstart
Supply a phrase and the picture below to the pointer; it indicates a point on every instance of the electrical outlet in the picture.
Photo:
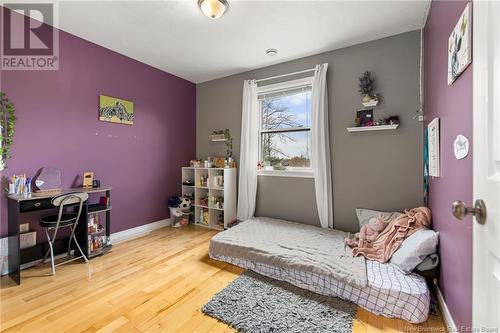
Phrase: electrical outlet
(420, 118)
(25, 227)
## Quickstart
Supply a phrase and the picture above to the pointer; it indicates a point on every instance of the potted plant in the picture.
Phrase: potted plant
(7, 122)
(366, 88)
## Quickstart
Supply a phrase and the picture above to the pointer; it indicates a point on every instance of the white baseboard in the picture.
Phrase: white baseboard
(139, 231)
(448, 320)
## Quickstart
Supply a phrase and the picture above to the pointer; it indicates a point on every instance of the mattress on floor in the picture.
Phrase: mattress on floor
(389, 292)
(285, 244)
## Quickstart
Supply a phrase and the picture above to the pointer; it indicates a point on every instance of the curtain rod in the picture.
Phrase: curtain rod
(283, 75)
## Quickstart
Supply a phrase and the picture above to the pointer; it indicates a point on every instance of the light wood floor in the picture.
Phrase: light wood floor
(156, 283)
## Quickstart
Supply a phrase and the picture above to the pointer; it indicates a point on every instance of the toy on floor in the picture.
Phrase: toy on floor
(185, 204)
(180, 209)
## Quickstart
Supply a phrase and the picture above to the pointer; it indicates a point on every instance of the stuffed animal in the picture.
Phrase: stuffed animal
(370, 231)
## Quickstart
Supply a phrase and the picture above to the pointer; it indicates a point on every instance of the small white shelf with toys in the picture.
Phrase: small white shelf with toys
(372, 128)
(213, 191)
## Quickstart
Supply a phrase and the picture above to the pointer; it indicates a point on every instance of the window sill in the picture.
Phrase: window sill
(286, 173)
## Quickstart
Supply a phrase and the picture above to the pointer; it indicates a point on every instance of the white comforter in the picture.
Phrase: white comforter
(290, 245)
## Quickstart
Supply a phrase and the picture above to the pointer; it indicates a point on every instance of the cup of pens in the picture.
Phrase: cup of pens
(20, 185)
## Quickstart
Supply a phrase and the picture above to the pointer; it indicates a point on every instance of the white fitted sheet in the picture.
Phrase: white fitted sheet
(389, 292)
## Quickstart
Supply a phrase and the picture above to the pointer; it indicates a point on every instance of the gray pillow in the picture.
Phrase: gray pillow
(364, 215)
(415, 249)
(430, 262)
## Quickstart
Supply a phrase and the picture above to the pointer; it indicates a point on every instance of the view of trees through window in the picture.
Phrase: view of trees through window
(285, 131)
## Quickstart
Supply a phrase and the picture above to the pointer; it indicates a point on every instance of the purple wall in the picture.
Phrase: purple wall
(57, 126)
(453, 105)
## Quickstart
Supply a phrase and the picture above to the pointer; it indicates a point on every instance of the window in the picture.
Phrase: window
(285, 125)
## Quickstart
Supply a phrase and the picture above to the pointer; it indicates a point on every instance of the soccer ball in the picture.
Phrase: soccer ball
(185, 204)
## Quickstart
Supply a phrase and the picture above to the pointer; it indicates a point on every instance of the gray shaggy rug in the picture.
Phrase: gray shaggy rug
(255, 303)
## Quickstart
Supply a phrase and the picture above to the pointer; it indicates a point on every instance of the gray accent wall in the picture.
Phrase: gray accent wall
(377, 170)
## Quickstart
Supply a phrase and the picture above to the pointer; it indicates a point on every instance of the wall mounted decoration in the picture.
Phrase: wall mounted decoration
(461, 147)
(433, 148)
(459, 46)
(223, 136)
(366, 88)
(218, 136)
(426, 167)
(116, 110)
(7, 123)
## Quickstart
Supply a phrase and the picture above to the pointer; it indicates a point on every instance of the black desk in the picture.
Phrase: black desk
(39, 202)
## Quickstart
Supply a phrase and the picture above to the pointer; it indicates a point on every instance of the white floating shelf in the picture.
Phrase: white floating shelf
(217, 137)
(372, 128)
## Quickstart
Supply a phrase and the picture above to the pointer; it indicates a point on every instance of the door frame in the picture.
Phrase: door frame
(481, 102)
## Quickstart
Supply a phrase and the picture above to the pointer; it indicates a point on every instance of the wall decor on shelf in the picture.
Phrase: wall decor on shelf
(219, 162)
(433, 148)
(366, 88)
(364, 117)
(459, 46)
(223, 136)
(219, 136)
(116, 110)
(391, 120)
(365, 122)
(195, 163)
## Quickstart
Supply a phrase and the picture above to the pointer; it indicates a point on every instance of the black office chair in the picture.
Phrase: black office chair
(63, 220)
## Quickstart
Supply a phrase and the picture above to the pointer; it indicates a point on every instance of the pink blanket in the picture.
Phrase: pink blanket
(394, 234)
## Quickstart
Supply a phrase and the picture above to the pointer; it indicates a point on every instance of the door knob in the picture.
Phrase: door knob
(460, 210)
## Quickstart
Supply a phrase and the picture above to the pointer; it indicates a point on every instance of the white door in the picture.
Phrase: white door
(486, 237)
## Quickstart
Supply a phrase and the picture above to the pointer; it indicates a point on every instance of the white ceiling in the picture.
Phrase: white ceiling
(176, 37)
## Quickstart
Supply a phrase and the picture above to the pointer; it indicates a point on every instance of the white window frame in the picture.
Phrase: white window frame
(287, 85)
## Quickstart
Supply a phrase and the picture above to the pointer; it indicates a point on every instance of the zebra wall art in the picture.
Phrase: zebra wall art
(116, 110)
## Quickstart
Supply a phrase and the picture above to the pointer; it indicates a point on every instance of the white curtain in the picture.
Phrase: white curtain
(249, 154)
(320, 147)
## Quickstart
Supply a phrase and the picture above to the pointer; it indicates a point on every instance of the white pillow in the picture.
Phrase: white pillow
(415, 249)
(364, 215)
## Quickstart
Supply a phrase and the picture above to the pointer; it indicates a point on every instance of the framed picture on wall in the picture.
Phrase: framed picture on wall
(116, 110)
(459, 46)
(433, 148)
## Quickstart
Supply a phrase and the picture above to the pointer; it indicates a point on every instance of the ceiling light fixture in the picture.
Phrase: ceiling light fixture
(213, 9)
(271, 52)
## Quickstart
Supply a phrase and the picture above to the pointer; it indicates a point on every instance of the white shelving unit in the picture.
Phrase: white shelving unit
(214, 192)
(372, 128)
